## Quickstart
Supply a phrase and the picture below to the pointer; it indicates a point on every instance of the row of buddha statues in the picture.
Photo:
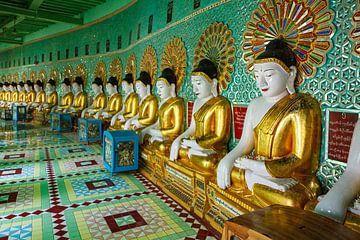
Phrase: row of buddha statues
(276, 159)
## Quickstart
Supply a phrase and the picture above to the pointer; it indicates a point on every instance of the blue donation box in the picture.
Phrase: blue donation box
(120, 151)
(19, 113)
(60, 121)
(89, 129)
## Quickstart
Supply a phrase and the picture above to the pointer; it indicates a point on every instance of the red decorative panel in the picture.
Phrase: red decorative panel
(239, 118)
(190, 106)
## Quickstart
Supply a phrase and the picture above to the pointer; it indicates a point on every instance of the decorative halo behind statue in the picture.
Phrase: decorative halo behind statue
(131, 66)
(24, 77)
(81, 71)
(3, 78)
(100, 71)
(54, 75)
(149, 63)
(33, 76)
(355, 33)
(306, 26)
(68, 73)
(42, 75)
(115, 69)
(16, 77)
(217, 45)
(174, 57)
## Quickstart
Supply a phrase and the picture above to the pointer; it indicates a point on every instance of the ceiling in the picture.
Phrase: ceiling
(19, 18)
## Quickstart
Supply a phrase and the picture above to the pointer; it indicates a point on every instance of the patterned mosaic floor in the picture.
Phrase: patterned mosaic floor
(53, 187)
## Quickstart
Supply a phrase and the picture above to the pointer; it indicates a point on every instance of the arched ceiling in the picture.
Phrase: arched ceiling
(19, 18)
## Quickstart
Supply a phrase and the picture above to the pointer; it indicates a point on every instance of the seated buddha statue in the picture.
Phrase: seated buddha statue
(130, 107)
(67, 98)
(30, 93)
(99, 100)
(114, 103)
(170, 123)
(336, 202)
(22, 94)
(204, 143)
(148, 105)
(7, 94)
(2, 93)
(51, 97)
(277, 156)
(14, 94)
(80, 98)
(40, 95)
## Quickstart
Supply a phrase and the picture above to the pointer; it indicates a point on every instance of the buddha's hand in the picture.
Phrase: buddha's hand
(105, 114)
(136, 124)
(174, 151)
(83, 113)
(223, 172)
(121, 118)
(113, 120)
(250, 164)
(187, 143)
(128, 124)
(156, 138)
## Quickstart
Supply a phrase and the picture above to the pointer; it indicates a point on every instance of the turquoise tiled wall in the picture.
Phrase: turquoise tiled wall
(336, 83)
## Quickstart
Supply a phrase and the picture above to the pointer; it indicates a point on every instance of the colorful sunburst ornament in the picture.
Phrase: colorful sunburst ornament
(148, 63)
(33, 76)
(81, 71)
(131, 66)
(174, 57)
(68, 73)
(42, 75)
(306, 26)
(16, 77)
(24, 76)
(115, 69)
(100, 71)
(54, 74)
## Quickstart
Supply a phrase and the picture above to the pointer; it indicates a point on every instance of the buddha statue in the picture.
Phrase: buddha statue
(148, 105)
(80, 98)
(114, 103)
(40, 95)
(30, 92)
(130, 107)
(7, 94)
(2, 93)
(22, 93)
(51, 97)
(277, 156)
(204, 143)
(336, 202)
(170, 123)
(67, 98)
(14, 94)
(99, 100)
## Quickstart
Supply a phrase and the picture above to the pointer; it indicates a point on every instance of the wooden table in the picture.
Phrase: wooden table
(280, 222)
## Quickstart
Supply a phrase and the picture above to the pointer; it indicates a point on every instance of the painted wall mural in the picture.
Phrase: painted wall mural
(323, 33)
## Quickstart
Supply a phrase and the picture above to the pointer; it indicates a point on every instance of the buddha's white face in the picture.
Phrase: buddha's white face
(201, 87)
(20, 88)
(110, 89)
(271, 78)
(49, 87)
(37, 88)
(5, 88)
(163, 90)
(96, 88)
(11, 88)
(76, 87)
(141, 89)
(27, 88)
(126, 87)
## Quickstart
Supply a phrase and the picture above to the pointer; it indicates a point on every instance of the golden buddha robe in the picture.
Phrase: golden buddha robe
(66, 101)
(131, 108)
(7, 96)
(2, 96)
(98, 104)
(148, 111)
(30, 97)
(51, 100)
(171, 124)
(14, 96)
(80, 101)
(289, 138)
(212, 131)
(114, 105)
(40, 97)
(22, 96)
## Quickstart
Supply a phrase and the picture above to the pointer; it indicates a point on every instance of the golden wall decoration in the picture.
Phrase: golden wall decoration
(68, 73)
(24, 76)
(54, 74)
(33, 76)
(9, 78)
(217, 45)
(308, 31)
(81, 71)
(174, 57)
(100, 71)
(16, 77)
(115, 69)
(3, 78)
(131, 66)
(42, 75)
(149, 63)
(355, 33)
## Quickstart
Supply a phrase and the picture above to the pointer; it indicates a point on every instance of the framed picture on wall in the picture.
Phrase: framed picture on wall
(238, 115)
(340, 124)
